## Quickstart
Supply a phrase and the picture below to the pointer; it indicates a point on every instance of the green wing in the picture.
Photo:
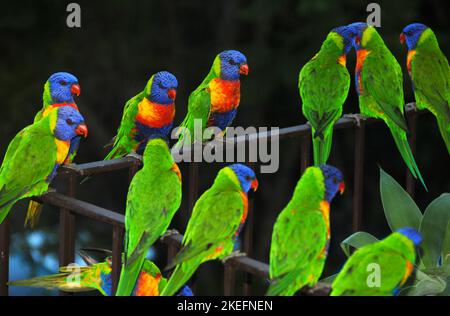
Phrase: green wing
(124, 143)
(199, 106)
(324, 89)
(28, 162)
(355, 277)
(383, 80)
(430, 74)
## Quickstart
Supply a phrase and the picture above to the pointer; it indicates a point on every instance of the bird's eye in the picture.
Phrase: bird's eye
(161, 86)
(69, 121)
(232, 62)
(63, 83)
(335, 181)
(248, 178)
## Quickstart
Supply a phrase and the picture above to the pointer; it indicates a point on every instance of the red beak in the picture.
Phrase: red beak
(254, 185)
(82, 130)
(75, 89)
(243, 69)
(341, 187)
(172, 94)
(402, 38)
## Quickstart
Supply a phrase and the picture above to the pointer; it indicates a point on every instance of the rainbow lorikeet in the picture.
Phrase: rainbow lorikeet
(216, 221)
(430, 74)
(301, 234)
(151, 112)
(59, 90)
(97, 276)
(216, 99)
(34, 155)
(153, 198)
(324, 83)
(394, 258)
(379, 84)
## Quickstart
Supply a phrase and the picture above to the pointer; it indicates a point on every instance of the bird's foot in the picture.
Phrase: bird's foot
(170, 232)
(356, 117)
(135, 156)
(234, 254)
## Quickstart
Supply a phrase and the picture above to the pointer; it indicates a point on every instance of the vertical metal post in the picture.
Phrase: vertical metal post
(412, 122)
(358, 189)
(117, 246)
(67, 230)
(229, 280)
(4, 257)
(305, 147)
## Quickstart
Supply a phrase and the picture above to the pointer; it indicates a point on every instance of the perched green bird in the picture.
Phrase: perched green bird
(379, 84)
(215, 102)
(34, 155)
(301, 234)
(59, 90)
(97, 276)
(430, 74)
(324, 83)
(216, 221)
(392, 259)
(153, 198)
(147, 114)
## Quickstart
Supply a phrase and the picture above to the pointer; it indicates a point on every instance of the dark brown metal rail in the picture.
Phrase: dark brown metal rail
(70, 207)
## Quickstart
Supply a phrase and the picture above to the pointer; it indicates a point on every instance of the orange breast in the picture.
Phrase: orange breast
(342, 60)
(155, 115)
(245, 201)
(361, 56)
(147, 285)
(225, 95)
(409, 59)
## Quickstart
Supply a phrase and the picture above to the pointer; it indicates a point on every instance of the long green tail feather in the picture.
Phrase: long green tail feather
(180, 276)
(403, 146)
(33, 213)
(129, 275)
(322, 147)
(444, 128)
(283, 285)
(55, 281)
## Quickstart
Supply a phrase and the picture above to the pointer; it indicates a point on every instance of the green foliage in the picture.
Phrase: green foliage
(433, 269)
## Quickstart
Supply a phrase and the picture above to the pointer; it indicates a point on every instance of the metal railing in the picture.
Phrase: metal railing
(70, 207)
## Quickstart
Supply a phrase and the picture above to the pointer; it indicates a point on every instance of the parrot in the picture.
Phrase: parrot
(97, 276)
(301, 234)
(395, 257)
(217, 219)
(150, 112)
(153, 198)
(379, 84)
(216, 99)
(324, 83)
(430, 74)
(59, 90)
(34, 155)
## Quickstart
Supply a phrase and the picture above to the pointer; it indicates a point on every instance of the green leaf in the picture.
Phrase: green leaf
(446, 248)
(433, 228)
(357, 240)
(399, 208)
(425, 285)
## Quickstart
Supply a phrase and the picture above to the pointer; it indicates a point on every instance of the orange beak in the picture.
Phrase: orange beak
(176, 170)
(75, 89)
(402, 38)
(341, 187)
(82, 130)
(243, 69)
(172, 94)
(254, 185)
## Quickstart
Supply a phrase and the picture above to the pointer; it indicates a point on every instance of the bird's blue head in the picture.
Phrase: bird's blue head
(334, 181)
(246, 177)
(412, 234)
(232, 65)
(346, 35)
(162, 88)
(68, 123)
(411, 34)
(355, 32)
(62, 87)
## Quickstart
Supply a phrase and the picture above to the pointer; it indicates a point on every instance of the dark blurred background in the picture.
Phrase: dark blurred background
(121, 44)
